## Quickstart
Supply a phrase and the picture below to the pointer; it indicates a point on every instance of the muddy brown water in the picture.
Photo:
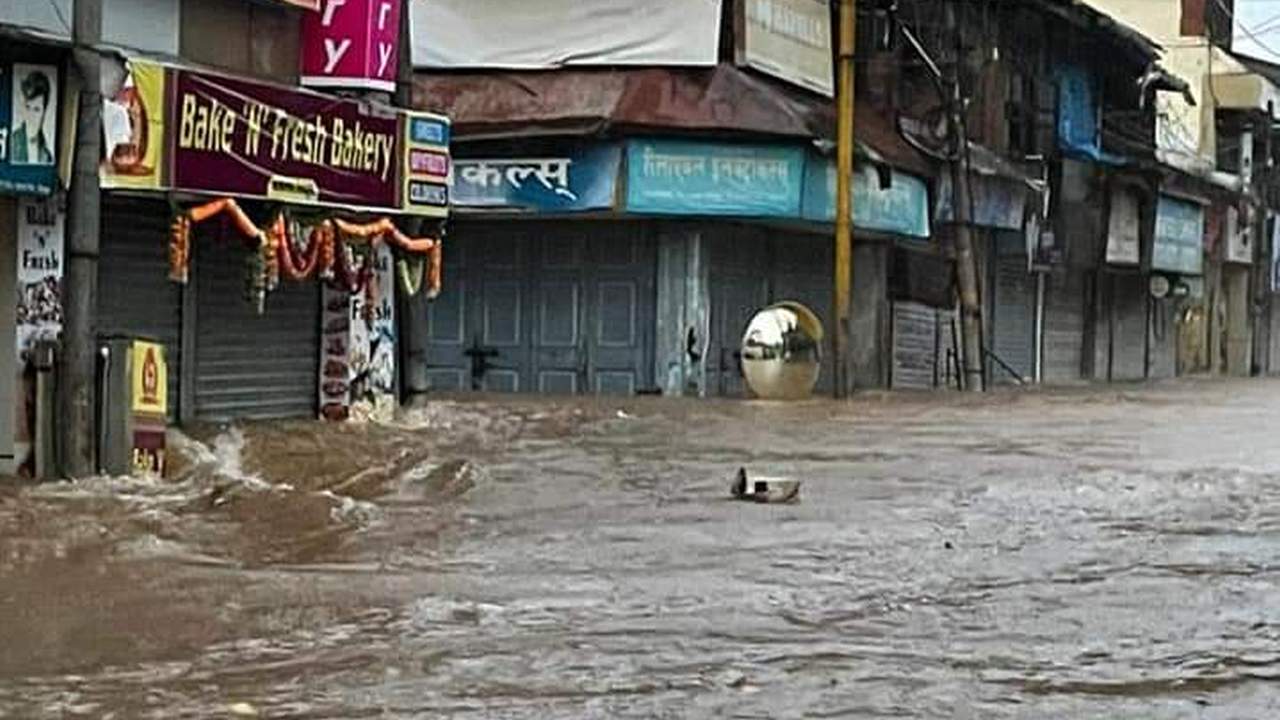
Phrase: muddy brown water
(1088, 553)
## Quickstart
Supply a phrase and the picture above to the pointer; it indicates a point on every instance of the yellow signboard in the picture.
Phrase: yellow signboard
(133, 127)
(150, 379)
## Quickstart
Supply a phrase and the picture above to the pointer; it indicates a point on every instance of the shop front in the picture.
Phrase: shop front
(248, 229)
(634, 266)
(1176, 281)
(32, 245)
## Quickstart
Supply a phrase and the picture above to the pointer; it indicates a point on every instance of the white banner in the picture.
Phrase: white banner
(1123, 229)
(789, 39)
(531, 34)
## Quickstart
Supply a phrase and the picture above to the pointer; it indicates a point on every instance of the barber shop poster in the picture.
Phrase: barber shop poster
(28, 128)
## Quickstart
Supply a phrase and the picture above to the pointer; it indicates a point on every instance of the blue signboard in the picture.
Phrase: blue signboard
(1179, 237)
(28, 128)
(575, 181)
(901, 208)
(676, 177)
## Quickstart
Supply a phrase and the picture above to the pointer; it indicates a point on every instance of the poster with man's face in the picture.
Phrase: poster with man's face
(33, 135)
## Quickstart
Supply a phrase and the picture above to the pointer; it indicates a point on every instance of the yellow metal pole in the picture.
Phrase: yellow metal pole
(841, 295)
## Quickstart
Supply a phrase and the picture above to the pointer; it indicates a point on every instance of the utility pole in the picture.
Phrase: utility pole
(842, 286)
(966, 267)
(76, 423)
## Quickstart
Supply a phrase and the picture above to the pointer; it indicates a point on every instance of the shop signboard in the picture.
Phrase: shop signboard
(1123, 229)
(789, 39)
(428, 168)
(133, 128)
(679, 177)
(901, 208)
(1179, 237)
(242, 138)
(568, 182)
(28, 128)
(149, 383)
(352, 44)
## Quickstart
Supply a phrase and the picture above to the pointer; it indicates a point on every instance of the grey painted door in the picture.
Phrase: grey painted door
(557, 308)
(619, 310)
(448, 365)
(802, 266)
(739, 287)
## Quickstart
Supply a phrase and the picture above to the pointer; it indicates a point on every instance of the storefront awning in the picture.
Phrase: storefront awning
(723, 100)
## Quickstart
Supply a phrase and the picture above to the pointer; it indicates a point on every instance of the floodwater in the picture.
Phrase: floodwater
(1100, 553)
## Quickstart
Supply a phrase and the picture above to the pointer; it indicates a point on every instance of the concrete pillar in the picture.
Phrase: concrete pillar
(1238, 331)
(77, 426)
(683, 318)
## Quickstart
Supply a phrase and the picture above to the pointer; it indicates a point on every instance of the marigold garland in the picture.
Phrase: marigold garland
(327, 253)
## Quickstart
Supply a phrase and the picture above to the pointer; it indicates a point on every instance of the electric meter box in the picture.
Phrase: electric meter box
(133, 406)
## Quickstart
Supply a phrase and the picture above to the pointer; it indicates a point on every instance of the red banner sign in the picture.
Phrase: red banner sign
(235, 137)
(352, 43)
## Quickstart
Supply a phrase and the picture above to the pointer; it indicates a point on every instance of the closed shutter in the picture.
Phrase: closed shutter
(915, 346)
(1129, 328)
(250, 365)
(135, 296)
(1064, 327)
(1013, 327)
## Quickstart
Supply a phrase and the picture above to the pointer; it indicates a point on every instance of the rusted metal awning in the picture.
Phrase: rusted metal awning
(725, 101)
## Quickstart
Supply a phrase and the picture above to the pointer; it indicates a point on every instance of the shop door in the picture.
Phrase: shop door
(1013, 321)
(1128, 327)
(739, 285)
(919, 356)
(803, 273)
(542, 307)
(619, 311)
(250, 365)
(593, 318)
(1064, 326)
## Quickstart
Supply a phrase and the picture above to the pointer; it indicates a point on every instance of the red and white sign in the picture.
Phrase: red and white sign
(352, 44)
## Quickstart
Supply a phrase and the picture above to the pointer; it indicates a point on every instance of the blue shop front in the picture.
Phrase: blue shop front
(632, 266)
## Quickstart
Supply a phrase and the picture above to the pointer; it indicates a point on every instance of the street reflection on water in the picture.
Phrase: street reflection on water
(1083, 553)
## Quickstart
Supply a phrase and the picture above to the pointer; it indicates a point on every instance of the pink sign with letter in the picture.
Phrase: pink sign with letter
(352, 44)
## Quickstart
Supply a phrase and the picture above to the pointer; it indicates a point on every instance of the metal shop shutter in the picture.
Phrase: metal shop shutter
(250, 365)
(1064, 327)
(135, 296)
(915, 346)
(1013, 327)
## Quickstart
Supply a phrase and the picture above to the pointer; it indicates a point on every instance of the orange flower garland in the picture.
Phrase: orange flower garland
(276, 250)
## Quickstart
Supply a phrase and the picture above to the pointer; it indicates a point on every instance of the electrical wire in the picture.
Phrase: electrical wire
(1248, 33)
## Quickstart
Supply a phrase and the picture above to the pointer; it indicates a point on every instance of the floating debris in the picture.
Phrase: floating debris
(764, 489)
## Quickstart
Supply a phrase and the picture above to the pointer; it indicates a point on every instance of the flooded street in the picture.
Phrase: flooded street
(1087, 553)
